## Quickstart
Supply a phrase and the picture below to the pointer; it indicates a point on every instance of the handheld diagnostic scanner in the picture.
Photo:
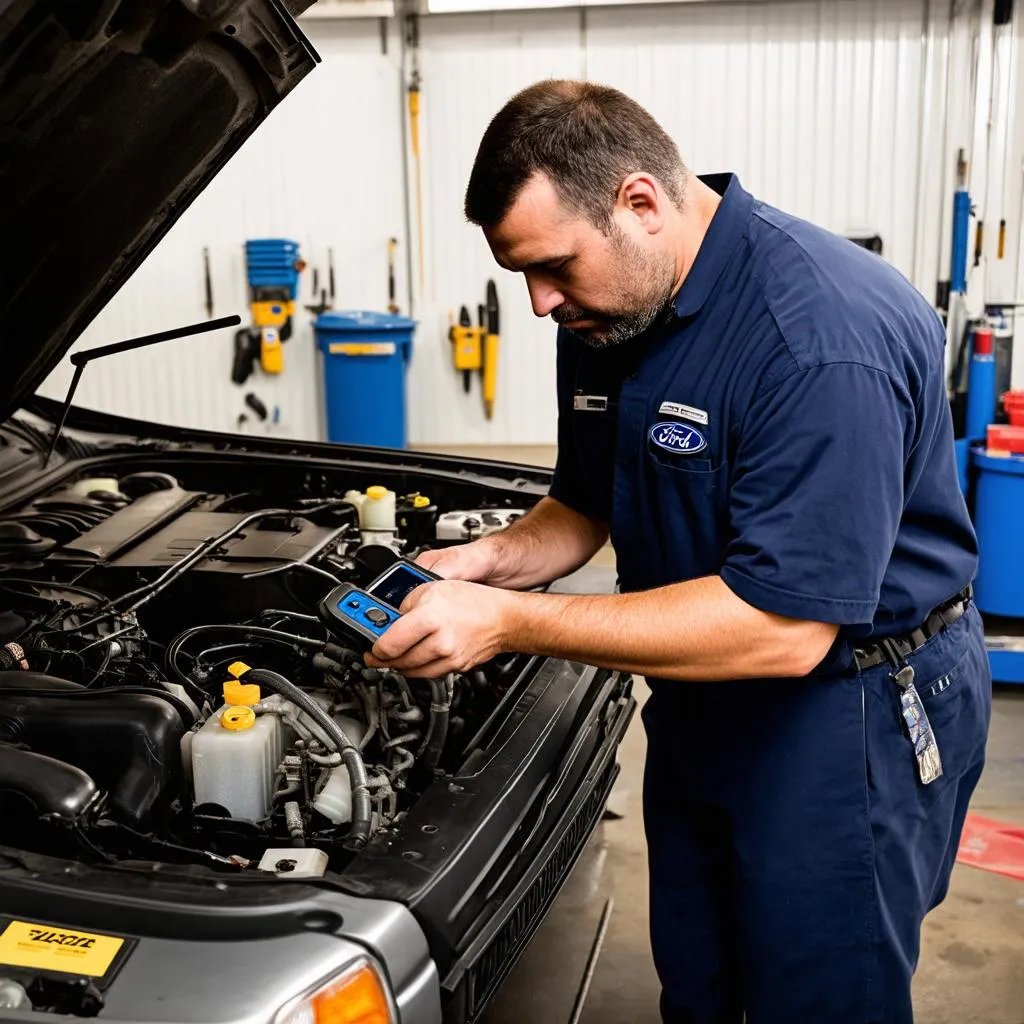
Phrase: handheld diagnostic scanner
(363, 616)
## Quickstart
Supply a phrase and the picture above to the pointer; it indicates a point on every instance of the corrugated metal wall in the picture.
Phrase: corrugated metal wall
(834, 109)
(325, 170)
(817, 106)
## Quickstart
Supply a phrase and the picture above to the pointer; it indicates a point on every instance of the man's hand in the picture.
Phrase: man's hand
(473, 562)
(448, 626)
(550, 541)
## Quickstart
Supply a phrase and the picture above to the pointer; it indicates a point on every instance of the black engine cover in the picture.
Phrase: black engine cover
(129, 743)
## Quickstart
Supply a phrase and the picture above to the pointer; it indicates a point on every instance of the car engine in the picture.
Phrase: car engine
(167, 692)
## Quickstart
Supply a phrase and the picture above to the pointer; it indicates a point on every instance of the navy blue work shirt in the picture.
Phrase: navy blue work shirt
(788, 430)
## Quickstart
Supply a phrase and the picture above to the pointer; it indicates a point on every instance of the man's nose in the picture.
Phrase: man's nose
(544, 297)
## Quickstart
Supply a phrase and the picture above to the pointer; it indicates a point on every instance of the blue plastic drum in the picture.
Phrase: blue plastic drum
(999, 521)
(365, 359)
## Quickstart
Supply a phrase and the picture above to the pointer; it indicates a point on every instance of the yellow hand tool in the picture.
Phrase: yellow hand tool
(490, 355)
(466, 347)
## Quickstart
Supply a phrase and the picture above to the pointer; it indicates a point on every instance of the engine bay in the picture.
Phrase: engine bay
(169, 695)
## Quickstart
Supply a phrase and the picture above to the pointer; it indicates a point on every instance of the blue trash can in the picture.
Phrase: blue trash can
(998, 507)
(365, 359)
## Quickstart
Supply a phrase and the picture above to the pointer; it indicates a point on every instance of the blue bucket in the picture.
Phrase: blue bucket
(999, 522)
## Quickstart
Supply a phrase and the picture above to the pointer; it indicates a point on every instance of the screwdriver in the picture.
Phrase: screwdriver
(491, 350)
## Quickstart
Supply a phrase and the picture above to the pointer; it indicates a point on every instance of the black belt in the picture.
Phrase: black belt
(895, 649)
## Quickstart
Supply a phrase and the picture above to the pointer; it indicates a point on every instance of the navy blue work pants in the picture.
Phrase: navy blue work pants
(793, 851)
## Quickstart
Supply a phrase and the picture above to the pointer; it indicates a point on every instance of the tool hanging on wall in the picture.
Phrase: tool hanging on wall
(412, 39)
(961, 226)
(208, 283)
(467, 347)
(273, 267)
(392, 248)
(326, 295)
(321, 306)
(475, 347)
(491, 351)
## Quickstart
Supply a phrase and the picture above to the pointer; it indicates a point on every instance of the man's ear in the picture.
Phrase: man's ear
(642, 196)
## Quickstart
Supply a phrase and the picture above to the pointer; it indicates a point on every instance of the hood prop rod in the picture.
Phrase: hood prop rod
(79, 360)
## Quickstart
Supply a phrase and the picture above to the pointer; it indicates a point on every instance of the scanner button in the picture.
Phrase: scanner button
(378, 617)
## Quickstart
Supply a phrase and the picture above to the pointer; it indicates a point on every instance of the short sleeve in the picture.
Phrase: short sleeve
(817, 494)
(569, 484)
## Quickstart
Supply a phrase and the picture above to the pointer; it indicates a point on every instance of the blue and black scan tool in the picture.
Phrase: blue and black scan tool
(363, 616)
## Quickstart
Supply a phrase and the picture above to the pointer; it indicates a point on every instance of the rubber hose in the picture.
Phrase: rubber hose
(249, 632)
(51, 786)
(361, 806)
(437, 731)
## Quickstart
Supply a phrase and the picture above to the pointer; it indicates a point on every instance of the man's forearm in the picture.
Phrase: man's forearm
(548, 543)
(698, 630)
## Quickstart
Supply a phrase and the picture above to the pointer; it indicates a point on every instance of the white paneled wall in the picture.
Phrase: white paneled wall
(816, 105)
(325, 170)
(848, 112)
(471, 64)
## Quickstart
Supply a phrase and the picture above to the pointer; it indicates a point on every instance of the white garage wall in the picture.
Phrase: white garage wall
(838, 110)
(324, 170)
(817, 106)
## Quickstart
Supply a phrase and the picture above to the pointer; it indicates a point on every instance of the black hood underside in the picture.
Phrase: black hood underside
(114, 116)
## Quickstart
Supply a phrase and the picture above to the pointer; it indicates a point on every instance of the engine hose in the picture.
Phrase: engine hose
(361, 806)
(403, 765)
(248, 632)
(400, 741)
(304, 726)
(437, 730)
(293, 819)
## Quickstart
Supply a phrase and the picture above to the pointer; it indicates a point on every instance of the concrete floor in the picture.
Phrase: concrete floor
(972, 960)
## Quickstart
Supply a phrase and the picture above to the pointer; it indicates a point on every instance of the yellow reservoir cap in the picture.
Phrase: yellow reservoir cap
(420, 501)
(237, 719)
(238, 669)
(376, 492)
(241, 694)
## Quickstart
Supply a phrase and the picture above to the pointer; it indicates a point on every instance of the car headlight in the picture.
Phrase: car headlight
(356, 996)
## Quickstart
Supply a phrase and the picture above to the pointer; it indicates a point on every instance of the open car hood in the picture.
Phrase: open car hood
(114, 116)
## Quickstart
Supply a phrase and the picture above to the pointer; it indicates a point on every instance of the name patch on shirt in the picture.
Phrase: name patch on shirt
(684, 412)
(678, 438)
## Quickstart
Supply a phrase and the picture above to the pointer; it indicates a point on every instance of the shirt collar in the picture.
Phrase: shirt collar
(727, 228)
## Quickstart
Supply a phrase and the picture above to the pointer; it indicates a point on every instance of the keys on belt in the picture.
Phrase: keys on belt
(895, 651)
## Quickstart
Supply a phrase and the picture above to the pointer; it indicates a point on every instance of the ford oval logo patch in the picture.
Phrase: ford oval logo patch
(679, 438)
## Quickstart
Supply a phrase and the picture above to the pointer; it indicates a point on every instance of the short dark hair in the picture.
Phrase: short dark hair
(586, 138)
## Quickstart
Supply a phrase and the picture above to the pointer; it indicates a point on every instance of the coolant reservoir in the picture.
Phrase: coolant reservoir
(334, 801)
(356, 498)
(235, 755)
(378, 511)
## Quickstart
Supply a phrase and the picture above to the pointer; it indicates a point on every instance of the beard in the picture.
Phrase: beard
(647, 278)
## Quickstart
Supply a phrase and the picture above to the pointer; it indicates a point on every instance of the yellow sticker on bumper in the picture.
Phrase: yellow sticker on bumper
(48, 948)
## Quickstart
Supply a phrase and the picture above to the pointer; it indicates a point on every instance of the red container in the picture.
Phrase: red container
(1013, 403)
(1003, 438)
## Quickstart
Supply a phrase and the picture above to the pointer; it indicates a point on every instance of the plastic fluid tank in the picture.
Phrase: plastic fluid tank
(378, 511)
(235, 755)
(334, 801)
(998, 511)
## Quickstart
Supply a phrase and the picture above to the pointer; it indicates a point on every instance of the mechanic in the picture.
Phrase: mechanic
(755, 408)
